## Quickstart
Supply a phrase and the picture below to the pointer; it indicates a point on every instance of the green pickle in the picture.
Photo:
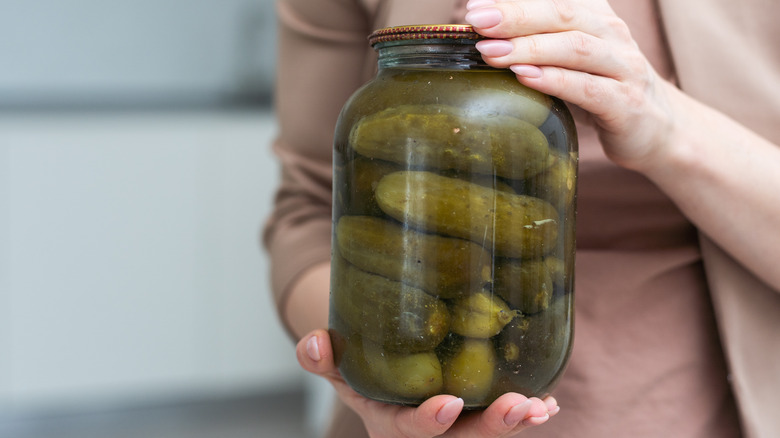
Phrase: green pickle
(469, 371)
(453, 226)
(527, 285)
(557, 184)
(513, 225)
(408, 377)
(393, 314)
(480, 315)
(442, 266)
(446, 137)
(357, 198)
(478, 93)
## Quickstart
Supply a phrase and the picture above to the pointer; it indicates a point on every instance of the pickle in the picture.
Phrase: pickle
(416, 375)
(499, 94)
(527, 285)
(480, 315)
(481, 92)
(384, 375)
(443, 266)
(469, 372)
(491, 182)
(448, 137)
(395, 315)
(557, 184)
(357, 197)
(512, 225)
(557, 269)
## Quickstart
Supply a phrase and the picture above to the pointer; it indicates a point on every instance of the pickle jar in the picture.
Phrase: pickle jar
(453, 226)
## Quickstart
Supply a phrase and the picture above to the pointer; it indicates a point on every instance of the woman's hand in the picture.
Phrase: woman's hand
(581, 52)
(507, 416)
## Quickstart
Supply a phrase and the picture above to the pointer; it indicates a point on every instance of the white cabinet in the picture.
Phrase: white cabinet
(130, 261)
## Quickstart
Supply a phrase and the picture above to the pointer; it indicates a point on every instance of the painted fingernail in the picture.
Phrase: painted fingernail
(516, 413)
(450, 411)
(495, 47)
(533, 421)
(473, 4)
(528, 71)
(484, 18)
(313, 349)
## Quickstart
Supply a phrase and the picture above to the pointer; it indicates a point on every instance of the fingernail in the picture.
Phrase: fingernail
(533, 421)
(554, 410)
(450, 411)
(484, 18)
(495, 47)
(516, 413)
(473, 4)
(313, 349)
(528, 71)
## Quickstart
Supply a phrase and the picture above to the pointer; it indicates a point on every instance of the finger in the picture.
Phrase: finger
(432, 418)
(552, 405)
(587, 91)
(572, 50)
(537, 413)
(315, 354)
(596, 94)
(507, 19)
(506, 416)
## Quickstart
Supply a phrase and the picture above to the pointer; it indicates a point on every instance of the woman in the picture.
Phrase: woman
(677, 107)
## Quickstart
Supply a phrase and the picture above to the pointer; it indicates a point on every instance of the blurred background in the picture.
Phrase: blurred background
(135, 175)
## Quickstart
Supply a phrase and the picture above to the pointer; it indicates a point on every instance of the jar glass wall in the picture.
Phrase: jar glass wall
(454, 205)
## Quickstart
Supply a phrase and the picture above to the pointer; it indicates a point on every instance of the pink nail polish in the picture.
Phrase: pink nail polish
(484, 18)
(535, 421)
(313, 349)
(450, 411)
(495, 47)
(474, 4)
(528, 71)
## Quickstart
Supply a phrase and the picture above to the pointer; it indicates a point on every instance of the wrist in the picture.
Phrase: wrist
(672, 150)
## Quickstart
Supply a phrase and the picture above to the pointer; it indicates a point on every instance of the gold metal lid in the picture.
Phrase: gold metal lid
(423, 32)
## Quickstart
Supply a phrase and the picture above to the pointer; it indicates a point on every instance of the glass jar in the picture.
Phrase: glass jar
(453, 226)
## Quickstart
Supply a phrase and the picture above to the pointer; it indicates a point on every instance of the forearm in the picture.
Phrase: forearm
(322, 59)
(306, 307)
(726, 180)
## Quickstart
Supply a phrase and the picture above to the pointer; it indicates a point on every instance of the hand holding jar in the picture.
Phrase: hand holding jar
(436, 417)
(582, 53)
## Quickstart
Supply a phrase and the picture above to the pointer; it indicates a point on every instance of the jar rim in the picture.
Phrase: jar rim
(423, 32)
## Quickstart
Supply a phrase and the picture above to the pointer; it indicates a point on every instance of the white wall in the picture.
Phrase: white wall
(130, 265)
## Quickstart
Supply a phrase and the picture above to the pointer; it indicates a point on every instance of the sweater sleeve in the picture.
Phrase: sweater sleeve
(323, 54)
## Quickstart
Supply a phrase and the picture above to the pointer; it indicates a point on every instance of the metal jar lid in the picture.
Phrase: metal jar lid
(423, 32)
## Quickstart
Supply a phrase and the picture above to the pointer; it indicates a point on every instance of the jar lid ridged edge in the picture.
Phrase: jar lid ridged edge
(423, 32)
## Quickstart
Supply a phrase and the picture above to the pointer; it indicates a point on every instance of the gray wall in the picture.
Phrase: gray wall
(130, 264)
(142, 51)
